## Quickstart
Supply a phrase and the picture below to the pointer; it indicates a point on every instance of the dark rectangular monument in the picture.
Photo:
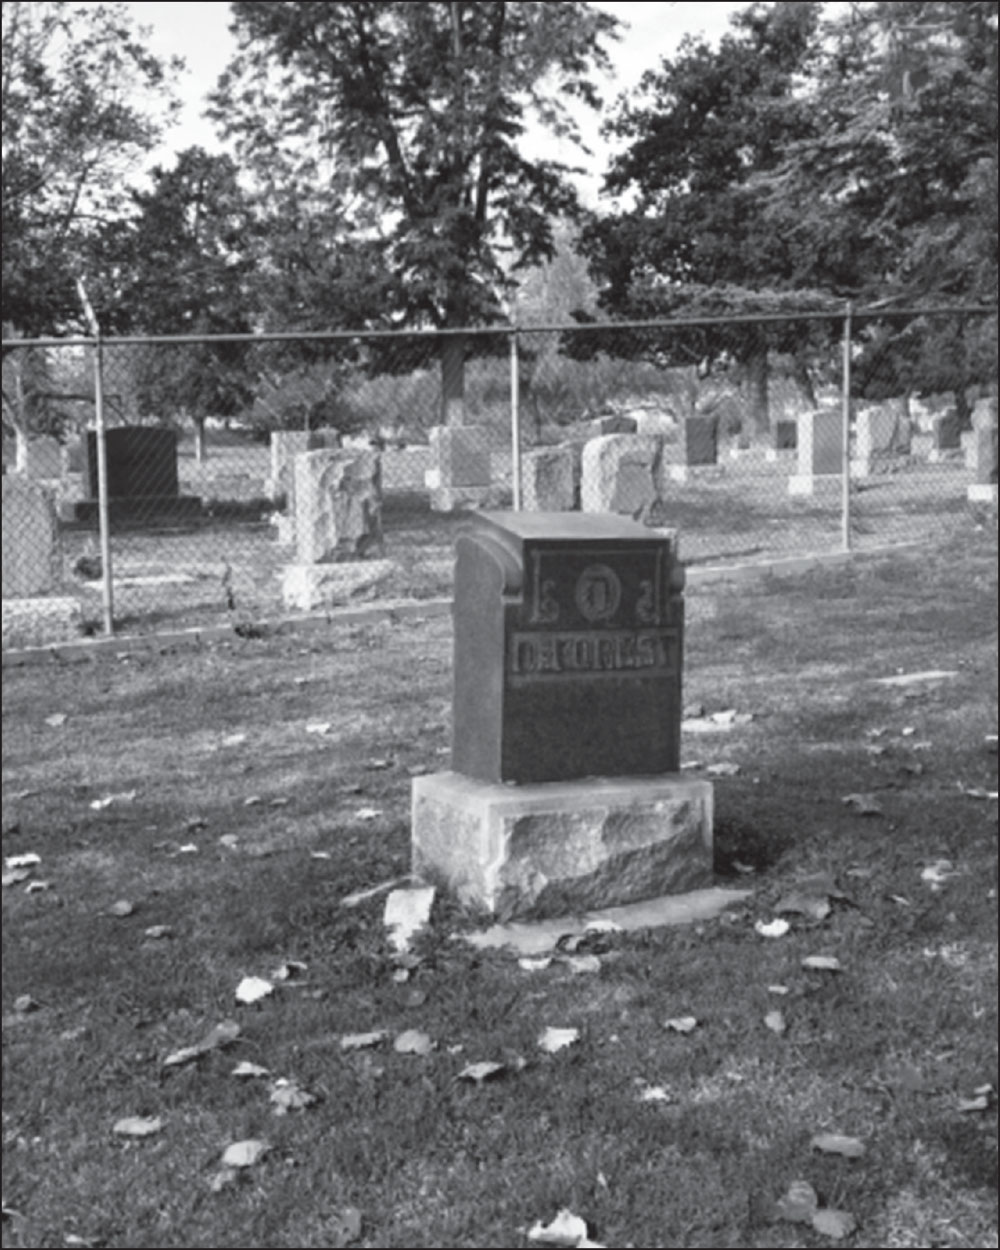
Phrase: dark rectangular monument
(142, 474)
(564, 792)
(568, 642)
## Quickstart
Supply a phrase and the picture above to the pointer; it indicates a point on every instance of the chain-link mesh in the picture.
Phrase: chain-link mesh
(254, 478)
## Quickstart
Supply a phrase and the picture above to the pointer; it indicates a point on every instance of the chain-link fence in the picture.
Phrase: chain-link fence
(153, 484)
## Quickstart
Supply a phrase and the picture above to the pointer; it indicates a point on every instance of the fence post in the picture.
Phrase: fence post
(845, 519)
(515, 422)
(103, 511)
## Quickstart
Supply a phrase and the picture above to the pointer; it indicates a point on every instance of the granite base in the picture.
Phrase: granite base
(557, 848)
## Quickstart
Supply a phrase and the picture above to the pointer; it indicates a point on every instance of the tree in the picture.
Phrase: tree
(400, 124)
(185, 266)
(82, 103)
(699, 241)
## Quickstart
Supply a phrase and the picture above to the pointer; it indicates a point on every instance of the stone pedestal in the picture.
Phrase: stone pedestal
(338, 505)
(306, 587)
(547, 480)
(32, 557)
(556, 848)
(39, 622)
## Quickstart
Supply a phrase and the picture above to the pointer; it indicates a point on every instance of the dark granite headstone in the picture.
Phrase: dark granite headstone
(568, 644)
(701, 443)
(786, 435)
(142, 462)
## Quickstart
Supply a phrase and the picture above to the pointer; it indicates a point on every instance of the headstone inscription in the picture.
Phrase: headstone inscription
(565, 791)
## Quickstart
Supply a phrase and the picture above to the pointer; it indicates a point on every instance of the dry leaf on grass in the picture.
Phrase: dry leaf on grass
(722, 769)
(552, 1040)
(798, 1204)
(937, 873)
(681, 1024)
(368, 813)
(221, 1035)
(245, 1154)
(234, 740)
(290, 970)
(479, 1072)
(833, 1223)
(320, 727)
(837, 1144)
(534, 963)
(137, 1126)
(775, 1021)
(37, 887)
(157, 931)
(253, 989)
(777, 989)
(28, 860)
(14, 876)
(822, 963)
(413, 1042)
(772, 928)
(654, 1093)
(25, 1003)
(125, 796)
(863, 804)
(406, 911)
(287, 1096)
(56, 719)
(121, 909)
(247, 1070)
(566, 1229)
(981, 1102)
(362, 1041)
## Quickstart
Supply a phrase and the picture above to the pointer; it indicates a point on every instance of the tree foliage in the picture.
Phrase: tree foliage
(83, 100)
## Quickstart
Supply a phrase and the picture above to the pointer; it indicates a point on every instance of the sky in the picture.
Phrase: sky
(200, 34)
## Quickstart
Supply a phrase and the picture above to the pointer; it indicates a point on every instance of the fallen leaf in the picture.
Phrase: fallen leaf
(775, 1021)
(14, 876)
(822, 963)
(343, 1228)
(940, 871)
(534, 963)
(833, 1223)
(552, 1039)
(223, 1179)
(566, 1229)
(772, 928)
(368, 813)
(909, 679)
(252, 800)
(234, 740)
(290, 970)
(361, 1041)
(726, 717)
(37, 887)
(222, 1034)
(479, 1072)
(121, 909)
(777, 989)
(25, 1003)
(126, 796)
(863, 804)
(318, 727)
(722, 769)
(654, 1093)
(137, 1126)
(977, 792)
(244, 1154)
(983, 1091)
(56, 719)
(28, 860)
(413, 1042)
(836, 1144)
(287, 1096)
(253, 989)
(157, 931)
(681, 1024)
(248, 1070)
(189, 848)
(280, 801)
(799, 1203)
(981, 1102)
(377, 765)
(406, 911)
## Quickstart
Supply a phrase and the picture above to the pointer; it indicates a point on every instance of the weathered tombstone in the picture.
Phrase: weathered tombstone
(40, 458)
(622, 473)
(141, 475)
(460, 474)
(699, 446)
(32, 557)
(981, 452)
(338, 528)
(547, 480)
(874, 435)
(820, 451)
(784, 439)
(285, 446)
(945, 433)
(564, 793)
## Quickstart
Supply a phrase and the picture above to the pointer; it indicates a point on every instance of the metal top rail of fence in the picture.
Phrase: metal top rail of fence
(180, 480)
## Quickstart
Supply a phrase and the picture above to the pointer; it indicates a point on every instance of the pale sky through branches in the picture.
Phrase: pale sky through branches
(200, 34)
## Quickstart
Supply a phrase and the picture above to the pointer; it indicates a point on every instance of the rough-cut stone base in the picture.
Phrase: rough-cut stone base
(453, 498)
(810, 483)
(37, 622)
(558, 848)
(308, 586)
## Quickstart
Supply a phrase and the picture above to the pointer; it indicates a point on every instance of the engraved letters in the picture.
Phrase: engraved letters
(543, 654)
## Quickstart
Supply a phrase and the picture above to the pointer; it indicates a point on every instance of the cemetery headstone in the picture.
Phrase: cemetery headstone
(460, 474)
(564, 792)
(40, 458)
(819, 450)
(141, 475)
(547, 479)
(784, 439)
(610, 423)
(981, 452)
(32, 557)
(945, 433)
(875, 430)
(622, 473)
(699, 446)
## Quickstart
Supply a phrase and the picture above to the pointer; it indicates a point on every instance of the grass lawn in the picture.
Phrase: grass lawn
(654, 1137)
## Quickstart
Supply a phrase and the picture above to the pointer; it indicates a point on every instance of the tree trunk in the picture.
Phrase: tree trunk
(453, 379)
(200, 453)
(757, 378)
